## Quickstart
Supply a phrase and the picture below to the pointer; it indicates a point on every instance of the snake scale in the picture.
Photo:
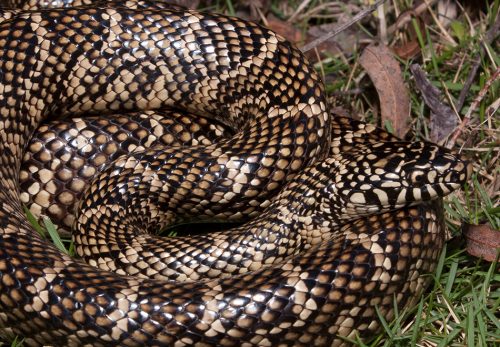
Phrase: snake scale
(341, 219)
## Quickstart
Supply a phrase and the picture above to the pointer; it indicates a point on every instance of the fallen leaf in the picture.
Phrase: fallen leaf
(482, 241)
(409, 47)
(340, 111)
(285, 29)
(192, 4)
(420, 10)
(443, 119)
(345, 41)
(407, 50)
(385, 73)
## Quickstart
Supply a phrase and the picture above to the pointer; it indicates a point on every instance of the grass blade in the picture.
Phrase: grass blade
(54, 235)
(34, 222)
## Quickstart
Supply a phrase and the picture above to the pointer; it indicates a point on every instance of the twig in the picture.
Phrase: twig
(261, 16)
(407, 16)
(440, 26)
(382, 25)
(483, 92)
(320, 64)
(459, 69)
(316, 12)
(493, 108)
(354, 91)
(299, 9)
(468, 82)
(466, 15)
(490, 35)
(442, 116)
(362, 14)
(473, 107)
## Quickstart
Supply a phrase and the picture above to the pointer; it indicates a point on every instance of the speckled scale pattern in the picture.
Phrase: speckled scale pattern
(220, 77)
(64, 156)
(324, 259)
(243, 249)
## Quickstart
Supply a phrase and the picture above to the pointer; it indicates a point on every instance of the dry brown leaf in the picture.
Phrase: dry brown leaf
(346, 41)
(482, 241)
(409, 47)
(407, 50)
(285, 29)
(192, 4)
(340, 111)
(385, 73)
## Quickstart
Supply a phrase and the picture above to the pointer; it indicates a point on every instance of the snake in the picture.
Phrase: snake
(341, 220)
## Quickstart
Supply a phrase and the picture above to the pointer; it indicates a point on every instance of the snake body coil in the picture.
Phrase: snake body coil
(323, 252)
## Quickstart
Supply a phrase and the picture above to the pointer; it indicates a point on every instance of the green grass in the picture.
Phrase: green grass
(459, 309)
(48, 230)
(17, 342)
(461, 306)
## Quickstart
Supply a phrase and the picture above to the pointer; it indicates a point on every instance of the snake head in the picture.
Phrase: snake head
(390, 175)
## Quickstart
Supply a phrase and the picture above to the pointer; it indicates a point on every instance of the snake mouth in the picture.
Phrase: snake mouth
(453, 186)
(435, 180)
(408, 183)
(394, 175)
(378, 200)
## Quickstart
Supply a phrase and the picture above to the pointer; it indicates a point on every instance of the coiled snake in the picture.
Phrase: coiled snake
(310, 269)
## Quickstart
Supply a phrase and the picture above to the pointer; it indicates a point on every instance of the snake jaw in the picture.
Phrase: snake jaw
(390, 175)
(437, 175)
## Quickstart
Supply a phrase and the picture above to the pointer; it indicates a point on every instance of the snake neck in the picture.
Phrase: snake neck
(369, 179)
